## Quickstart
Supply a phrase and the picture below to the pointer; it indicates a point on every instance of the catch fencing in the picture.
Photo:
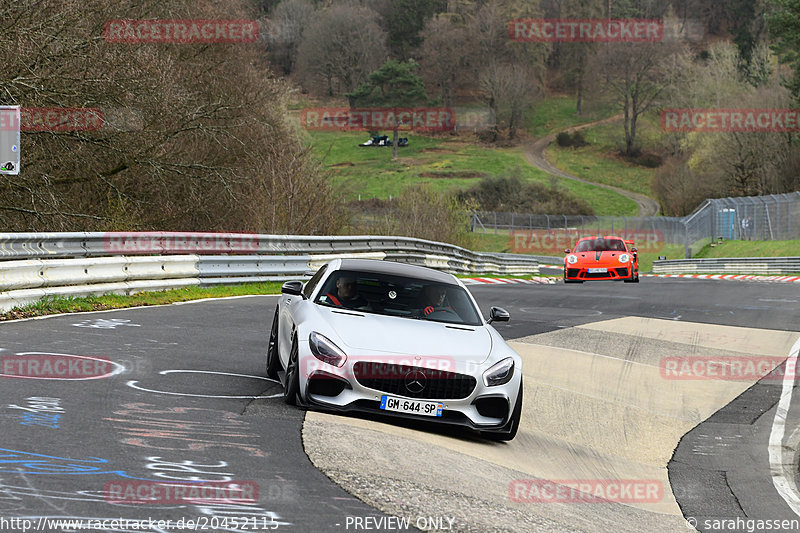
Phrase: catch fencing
(759, 218)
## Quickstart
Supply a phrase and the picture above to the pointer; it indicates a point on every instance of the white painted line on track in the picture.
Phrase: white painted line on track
(134, 385)
(785, 485)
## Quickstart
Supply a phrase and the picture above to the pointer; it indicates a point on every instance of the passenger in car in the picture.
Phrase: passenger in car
(346, 294)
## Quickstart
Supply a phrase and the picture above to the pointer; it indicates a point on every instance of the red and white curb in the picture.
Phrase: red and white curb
(508, 281)
(730, 277)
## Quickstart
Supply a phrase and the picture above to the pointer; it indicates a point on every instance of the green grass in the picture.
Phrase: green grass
(57, 305)
(558, 114)
(670, 251)
(490, 242)
(600, 162)
(447, 165)
(752, 249)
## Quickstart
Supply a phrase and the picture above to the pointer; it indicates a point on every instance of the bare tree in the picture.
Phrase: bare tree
(510, 74)
(194, 136)
(725, 163)
(284, 31)
(340, 48)
(447, 57)
(638, 77)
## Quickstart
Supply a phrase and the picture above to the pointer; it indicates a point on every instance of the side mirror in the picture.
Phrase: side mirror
(567, 251)
(498, 314)
(295, 288)
(634, 250)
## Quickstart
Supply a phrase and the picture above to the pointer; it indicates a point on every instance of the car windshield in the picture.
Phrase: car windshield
(601, 245)
(399, 296)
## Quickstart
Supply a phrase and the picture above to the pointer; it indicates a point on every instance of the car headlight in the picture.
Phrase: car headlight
(624, 258)
(500, 373)
(572, 259)
(325, 350)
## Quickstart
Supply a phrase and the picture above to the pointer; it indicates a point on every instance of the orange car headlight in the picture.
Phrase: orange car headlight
(572, 259)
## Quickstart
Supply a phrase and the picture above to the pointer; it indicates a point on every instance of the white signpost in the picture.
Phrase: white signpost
(9, 139)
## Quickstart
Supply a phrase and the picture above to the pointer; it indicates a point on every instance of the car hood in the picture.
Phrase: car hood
(599, 258)
(407, 336)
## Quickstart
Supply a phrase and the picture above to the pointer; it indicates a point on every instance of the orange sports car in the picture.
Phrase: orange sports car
(602, 258)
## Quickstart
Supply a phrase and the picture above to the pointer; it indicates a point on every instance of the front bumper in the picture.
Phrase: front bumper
(483, 408)
(574, 272)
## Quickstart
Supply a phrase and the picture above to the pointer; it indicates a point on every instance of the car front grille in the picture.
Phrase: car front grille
(598, 275)
(398, 380)
(622, 272)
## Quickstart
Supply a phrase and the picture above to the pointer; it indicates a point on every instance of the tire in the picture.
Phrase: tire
(633, 279)
(273, 360)
(292, 386)
(509, 431)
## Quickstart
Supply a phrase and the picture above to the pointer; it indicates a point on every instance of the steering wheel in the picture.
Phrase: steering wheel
(443, 312)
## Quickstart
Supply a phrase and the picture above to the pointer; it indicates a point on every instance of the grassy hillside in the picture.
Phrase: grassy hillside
(556, 114)
(447, 164)
(600, 161)
(752, 249)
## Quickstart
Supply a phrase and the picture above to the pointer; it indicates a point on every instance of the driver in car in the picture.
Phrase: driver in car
(346, 294)
(435, 298)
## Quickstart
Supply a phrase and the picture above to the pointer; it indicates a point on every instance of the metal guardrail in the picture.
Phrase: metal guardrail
(35, 265)
(742, 265)
(97, 244)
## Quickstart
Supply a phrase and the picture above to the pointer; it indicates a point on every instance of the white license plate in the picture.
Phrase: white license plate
(598, 270)
(414, 407)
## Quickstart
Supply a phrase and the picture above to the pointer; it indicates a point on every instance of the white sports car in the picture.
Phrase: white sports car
(395, 339)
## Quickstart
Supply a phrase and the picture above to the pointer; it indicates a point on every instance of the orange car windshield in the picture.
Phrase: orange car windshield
(601, 245)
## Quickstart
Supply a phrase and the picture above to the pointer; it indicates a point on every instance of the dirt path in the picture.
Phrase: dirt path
(534, 153)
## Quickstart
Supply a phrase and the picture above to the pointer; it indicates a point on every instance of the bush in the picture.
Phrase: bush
(574, 140)
(418, 212)
(564, 139)
(508, 192)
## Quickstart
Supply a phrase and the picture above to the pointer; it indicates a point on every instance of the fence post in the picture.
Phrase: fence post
(687, 245)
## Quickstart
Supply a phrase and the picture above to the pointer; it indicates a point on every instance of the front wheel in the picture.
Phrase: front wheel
(273, 361)
(509, 431)
(292, 385)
